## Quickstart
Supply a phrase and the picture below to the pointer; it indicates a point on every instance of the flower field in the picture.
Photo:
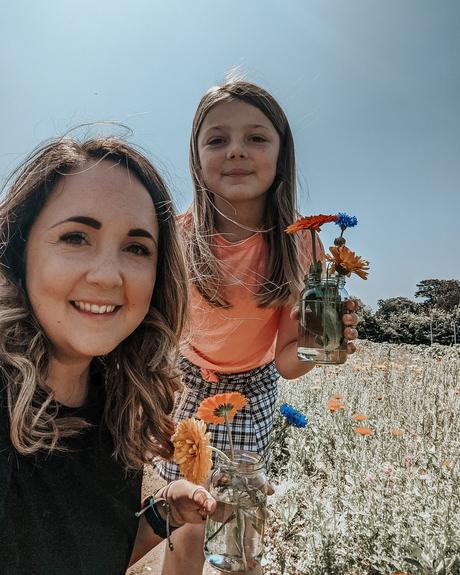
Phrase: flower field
(372, 484)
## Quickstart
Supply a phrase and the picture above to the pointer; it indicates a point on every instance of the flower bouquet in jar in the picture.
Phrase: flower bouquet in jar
(235, 532)
(323, 298)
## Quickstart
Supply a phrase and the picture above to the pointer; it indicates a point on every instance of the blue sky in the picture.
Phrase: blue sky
(371, 89)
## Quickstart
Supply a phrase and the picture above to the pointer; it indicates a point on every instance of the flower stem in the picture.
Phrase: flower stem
(230, 441)
(313, 245)
(224, 523)
(222, 454)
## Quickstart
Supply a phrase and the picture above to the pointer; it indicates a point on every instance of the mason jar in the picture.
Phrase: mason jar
(235, 532)
(321, 306)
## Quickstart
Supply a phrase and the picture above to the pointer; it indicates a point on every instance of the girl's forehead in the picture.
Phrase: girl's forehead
(235, 113)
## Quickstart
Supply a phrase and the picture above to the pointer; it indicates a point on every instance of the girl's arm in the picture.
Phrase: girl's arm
(189, 503)
(287, 363)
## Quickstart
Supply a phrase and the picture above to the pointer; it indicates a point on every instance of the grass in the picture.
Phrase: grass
(382, 503)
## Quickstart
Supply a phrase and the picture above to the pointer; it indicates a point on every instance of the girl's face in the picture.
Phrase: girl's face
(238, 149)
(91, 260)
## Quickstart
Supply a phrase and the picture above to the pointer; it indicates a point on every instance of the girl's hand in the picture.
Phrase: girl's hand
(349, 319)
(189, 503)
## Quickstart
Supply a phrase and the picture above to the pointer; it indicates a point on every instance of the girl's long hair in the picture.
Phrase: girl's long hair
(140, 373)
(283, 276)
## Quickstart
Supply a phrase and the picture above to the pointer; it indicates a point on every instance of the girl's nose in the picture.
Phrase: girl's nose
(105, 271)
(236, 151)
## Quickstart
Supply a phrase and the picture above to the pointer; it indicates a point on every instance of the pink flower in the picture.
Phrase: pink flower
(370, 477)
(388, 470)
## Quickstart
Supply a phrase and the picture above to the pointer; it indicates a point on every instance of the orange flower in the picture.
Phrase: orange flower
(345, 260)
(363, 430)
(214, 408)
(310, 223)
(397, 432)
(358, 417)
(192, 451)
(334, 405)
(337, 396)
(379, 397)
(457, 391)
(447, 464)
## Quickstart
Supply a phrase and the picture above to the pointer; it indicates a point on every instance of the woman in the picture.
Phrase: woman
(92, 305)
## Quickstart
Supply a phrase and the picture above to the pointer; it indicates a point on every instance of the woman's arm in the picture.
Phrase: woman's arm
(189, 503)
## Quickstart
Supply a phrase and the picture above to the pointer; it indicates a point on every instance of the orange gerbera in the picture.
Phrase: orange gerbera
(358, 417)
(311, 223)
(192, 450)
(214, 409)
(363, 430)
(397, 432)
(344, 260)
(334, 405)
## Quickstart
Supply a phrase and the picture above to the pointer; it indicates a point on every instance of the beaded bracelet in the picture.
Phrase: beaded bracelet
(162, 527)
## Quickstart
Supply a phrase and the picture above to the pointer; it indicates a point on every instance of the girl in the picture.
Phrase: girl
(246, 272)
(91, 283)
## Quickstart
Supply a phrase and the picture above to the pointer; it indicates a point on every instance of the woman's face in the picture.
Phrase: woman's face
(91, 260)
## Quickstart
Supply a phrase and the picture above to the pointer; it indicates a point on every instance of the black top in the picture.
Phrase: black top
(67, 513)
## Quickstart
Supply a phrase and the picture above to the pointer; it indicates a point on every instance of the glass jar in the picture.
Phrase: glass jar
(320, 320)
(235, 532)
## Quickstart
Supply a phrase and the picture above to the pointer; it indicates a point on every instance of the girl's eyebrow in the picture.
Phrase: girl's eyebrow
(224, 127)
(92, 223)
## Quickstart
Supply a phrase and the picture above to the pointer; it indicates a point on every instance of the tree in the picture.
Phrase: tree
(444, 294)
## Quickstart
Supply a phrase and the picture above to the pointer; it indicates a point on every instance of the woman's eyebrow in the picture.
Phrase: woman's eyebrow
(86, 220)
(91, 222)
(140, 233)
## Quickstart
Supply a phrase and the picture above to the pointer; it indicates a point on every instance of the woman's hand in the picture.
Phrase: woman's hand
(189, 503)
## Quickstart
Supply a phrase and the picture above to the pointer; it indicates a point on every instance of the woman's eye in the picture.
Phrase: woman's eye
(74, 238)
(138, 250)
(258, 139)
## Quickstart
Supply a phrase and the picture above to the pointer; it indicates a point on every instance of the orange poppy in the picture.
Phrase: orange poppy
(216, 408)
(363, 430)
(192, 450)
(347, 261)
(310, 223)
(397, 432)
(334, 405)
(358, 417)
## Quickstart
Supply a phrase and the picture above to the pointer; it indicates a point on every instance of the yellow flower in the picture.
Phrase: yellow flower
(334, 405)
(214, 408)
(363, 430)
(346, 261)
(358, 417)
(192, 451)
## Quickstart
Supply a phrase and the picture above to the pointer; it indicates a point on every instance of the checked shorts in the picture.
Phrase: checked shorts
(251, 426)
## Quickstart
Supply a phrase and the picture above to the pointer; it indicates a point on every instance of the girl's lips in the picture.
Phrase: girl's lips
(236, 173)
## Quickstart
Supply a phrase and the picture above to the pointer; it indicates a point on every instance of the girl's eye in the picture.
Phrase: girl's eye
(74, 238)
(138, 250)
(215, 141)
(258, 139)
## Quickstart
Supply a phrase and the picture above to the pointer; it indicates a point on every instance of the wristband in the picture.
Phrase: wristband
(162, 527)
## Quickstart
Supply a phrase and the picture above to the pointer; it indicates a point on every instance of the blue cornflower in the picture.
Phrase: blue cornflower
(293, 417)
(346, 221)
